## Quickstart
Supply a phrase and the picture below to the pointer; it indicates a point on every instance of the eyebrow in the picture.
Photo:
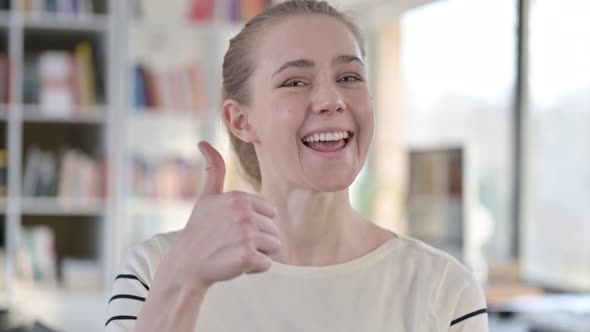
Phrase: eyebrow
(344, 59)
(304, 63)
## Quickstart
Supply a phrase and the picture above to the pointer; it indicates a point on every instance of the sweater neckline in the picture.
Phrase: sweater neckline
(366, 260)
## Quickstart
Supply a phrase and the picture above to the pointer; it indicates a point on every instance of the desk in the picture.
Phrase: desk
(541, 313)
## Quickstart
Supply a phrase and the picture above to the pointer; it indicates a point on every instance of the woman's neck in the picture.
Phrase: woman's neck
(316, 229)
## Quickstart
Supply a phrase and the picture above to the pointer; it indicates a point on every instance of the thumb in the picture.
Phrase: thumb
(214, 169)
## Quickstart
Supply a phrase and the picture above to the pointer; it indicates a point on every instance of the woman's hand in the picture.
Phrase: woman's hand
(228, 234)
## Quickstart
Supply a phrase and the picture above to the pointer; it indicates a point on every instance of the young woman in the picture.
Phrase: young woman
(295, 257)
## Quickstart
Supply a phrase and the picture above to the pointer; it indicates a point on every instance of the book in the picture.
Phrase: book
(139, 87)
(41, 242)
(84, 7)
(50, 6)
(197, 88)
(64, 7)
(56, 89)
(151, 89)
(30, 7)
(40, 176)
(30, 78)
(243, 10)
(47, 175)
(24, 6)
(201, 10)
(37, 255)
(4, 79)
(67, 176)
(251, 8)
(85, 77)
(234, 12)
(33, 159)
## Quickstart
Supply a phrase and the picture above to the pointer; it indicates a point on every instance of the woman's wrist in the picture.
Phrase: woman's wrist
(174, 277)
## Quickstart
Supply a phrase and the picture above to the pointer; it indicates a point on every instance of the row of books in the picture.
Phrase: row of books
(69, 174)
(59, 7)
(202, 10)
(62, 82)
(39, 263)
(174, 178)
(175, 89)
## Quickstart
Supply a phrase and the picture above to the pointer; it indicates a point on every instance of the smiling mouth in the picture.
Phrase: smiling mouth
(328, 142)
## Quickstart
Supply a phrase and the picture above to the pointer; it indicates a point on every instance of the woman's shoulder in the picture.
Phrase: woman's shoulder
(422, 253)
(457, 294)
(439, 264)
(145, 256)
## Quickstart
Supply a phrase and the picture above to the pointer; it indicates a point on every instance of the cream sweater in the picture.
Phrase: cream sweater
(402, 286)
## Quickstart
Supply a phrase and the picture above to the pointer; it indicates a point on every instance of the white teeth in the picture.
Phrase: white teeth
(330, 136)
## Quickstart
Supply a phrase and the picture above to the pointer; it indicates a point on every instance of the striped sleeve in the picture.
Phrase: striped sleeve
(130, 287)
(461, 303)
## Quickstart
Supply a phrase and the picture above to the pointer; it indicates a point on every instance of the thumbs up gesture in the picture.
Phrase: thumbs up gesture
(228, 234)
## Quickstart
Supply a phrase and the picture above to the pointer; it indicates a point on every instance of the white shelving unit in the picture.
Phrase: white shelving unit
(84, 228)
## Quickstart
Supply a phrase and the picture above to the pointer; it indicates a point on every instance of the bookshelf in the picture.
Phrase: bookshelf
(58, 133)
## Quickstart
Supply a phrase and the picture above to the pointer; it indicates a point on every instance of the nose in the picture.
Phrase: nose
(327, 99)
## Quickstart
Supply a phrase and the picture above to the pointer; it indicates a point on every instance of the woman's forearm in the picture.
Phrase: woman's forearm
(170, 306)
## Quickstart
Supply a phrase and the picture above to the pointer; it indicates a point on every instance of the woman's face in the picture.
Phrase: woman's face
(311, 108)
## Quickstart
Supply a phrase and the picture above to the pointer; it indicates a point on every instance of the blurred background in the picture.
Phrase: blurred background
(482, 144)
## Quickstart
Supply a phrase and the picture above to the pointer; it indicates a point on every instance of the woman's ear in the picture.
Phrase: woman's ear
(237, 121)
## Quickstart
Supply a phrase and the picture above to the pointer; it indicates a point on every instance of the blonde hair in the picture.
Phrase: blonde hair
(238, 65)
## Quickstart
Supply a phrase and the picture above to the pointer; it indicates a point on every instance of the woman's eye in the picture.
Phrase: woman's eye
(350, 79)
(294, 83)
